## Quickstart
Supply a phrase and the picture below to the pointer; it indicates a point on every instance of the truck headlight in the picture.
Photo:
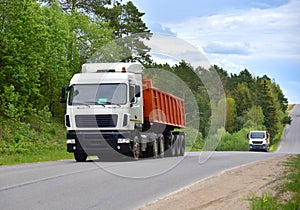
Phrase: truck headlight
(123, 140)
(71, 141)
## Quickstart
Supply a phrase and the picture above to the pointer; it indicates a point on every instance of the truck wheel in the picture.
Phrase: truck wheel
(178, 145)
(173, 147)
(161, 143)
(136, 148)
(182, 145)
(80, 156)
(168, 146)
(155, 148)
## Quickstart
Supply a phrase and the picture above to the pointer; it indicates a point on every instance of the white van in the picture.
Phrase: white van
(259, 140)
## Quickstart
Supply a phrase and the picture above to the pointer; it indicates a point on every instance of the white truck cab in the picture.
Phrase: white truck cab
(259, 140)
(104, 102)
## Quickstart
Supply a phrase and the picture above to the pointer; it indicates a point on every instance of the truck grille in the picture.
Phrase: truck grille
(97, 141)
(257, 142)
(96, 121)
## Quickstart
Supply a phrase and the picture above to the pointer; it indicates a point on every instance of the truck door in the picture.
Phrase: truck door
(136, 104)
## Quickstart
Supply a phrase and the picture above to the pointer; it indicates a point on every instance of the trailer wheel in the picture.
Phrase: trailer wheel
(161, 141)
(136, 148)
(182, 145)
(80, 156)
(173, 147)
(155, 148)
(168, 145)
(178, 145)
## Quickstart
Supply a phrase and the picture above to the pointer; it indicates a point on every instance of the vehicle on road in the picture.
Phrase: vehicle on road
(259, 141)
(111, 108)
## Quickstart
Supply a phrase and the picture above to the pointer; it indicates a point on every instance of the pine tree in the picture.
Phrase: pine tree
(129, 31)
(269, 106)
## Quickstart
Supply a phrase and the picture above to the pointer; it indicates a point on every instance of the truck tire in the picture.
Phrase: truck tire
(136, 148)
(182, 144)
(155, 148)
(161, 148)
(80, 156)
(168, 145)
(178, 144)
(173, 147)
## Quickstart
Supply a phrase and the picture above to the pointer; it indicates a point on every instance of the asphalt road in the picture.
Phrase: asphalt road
(123, 184)
(291, 140)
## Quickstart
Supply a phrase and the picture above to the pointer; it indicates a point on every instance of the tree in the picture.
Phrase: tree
(56, 70)
(86, 37)
(270, 105)
(254, 118)
(85, 6)
(22, 46)
(243, 97)
(129, 30)
(230, 115)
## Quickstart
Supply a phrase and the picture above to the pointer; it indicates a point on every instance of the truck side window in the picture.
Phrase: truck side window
(132, 94)
(137, 91)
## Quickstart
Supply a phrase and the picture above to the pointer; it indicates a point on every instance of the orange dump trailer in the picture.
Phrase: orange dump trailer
(162, 107)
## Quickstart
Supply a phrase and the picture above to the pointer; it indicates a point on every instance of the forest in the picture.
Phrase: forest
(43, 43)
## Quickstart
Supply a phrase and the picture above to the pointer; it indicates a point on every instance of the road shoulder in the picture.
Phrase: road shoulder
(228, 190)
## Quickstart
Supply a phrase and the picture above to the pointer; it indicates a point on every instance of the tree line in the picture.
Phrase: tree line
(256, 103)
(43, 43)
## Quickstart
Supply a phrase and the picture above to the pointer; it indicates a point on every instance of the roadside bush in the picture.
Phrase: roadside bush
(34, 136)
(193, 139)
(234, 142)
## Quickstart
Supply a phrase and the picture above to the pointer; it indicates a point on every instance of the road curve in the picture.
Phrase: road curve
(291, 140)
(124, 184)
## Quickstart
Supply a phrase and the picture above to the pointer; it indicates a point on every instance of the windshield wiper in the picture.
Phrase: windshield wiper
(111, 103)
(81, 103)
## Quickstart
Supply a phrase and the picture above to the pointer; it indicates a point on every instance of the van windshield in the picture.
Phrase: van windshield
(98, 94)
(257, 135)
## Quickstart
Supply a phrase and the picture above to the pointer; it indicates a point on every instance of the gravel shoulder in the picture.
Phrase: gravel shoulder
(228, 190)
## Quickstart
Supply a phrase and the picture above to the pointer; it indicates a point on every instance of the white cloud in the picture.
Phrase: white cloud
(270, 32)
(177, 49)
(231, 67)
(265, 41)
(158, 28)
(228, 48)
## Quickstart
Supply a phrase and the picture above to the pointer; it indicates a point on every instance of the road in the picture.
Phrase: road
(124, 184)
(291, 140)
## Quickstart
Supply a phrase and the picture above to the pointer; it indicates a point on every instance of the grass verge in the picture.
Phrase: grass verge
(9, 159)
(291, 186)
(34, 140)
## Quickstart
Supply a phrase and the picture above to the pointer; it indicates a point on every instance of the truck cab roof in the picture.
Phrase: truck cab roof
(91, 78)
(134, 67)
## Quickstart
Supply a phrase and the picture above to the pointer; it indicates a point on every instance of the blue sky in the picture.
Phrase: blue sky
(260, 35)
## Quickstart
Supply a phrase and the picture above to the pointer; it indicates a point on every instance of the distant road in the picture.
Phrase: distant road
(120, 185)
(291, 141)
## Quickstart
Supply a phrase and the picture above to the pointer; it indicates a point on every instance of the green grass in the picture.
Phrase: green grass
(292, 185)
(34, 140)
(9, 159)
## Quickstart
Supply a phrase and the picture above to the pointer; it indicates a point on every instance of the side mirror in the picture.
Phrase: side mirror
(63, 99)
(247, 135)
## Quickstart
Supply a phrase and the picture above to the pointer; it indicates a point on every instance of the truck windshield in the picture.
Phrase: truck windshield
(98, 94)
(257, 135)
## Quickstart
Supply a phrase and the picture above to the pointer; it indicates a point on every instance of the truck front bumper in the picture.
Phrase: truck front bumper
(96, 142)
(260, 147)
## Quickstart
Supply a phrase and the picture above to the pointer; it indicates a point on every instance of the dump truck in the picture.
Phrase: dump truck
(112, 110)
(259, 141)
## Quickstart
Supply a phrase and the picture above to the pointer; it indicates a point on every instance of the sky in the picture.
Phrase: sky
(262, 36)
